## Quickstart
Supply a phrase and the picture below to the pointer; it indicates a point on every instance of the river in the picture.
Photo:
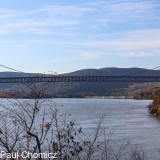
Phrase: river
(126, 119)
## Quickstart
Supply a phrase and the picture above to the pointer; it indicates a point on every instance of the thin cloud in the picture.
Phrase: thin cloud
(86, 25)
(155, 53)
(91, 15)
(123, 11)
(90, 55)
(41, 21)
(141, 39)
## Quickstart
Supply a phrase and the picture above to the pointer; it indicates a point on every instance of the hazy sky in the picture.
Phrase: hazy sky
(67, 35)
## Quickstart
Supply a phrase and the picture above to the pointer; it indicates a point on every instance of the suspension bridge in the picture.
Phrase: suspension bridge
(80, 79)
(62, 78)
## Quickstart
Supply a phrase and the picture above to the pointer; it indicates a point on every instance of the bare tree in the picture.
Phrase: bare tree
(38, 125)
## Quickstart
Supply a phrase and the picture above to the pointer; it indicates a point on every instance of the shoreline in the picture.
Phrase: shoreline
(97, 97)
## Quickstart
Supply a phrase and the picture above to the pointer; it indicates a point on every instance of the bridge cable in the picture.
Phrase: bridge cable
(43, 74)
(15, 70)
(11, 68)
(143, 71)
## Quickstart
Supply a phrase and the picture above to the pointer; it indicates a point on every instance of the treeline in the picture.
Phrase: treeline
(147, 93)
(150, 93)
(154, 108)
(30, 95)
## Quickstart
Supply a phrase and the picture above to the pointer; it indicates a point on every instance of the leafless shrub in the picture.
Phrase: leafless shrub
(137, 154)
(38, 125)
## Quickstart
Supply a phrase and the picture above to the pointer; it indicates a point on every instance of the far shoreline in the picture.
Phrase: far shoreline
(86, 97)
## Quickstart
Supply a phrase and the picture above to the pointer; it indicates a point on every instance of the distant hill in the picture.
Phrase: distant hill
(98, 88)
(116, 72)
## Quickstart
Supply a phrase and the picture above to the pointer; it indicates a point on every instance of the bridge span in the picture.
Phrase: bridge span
(80, 79)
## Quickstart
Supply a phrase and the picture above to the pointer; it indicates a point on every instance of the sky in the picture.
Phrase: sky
(67, 35)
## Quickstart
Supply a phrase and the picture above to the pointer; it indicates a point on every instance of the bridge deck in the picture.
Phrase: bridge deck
(80, 79)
